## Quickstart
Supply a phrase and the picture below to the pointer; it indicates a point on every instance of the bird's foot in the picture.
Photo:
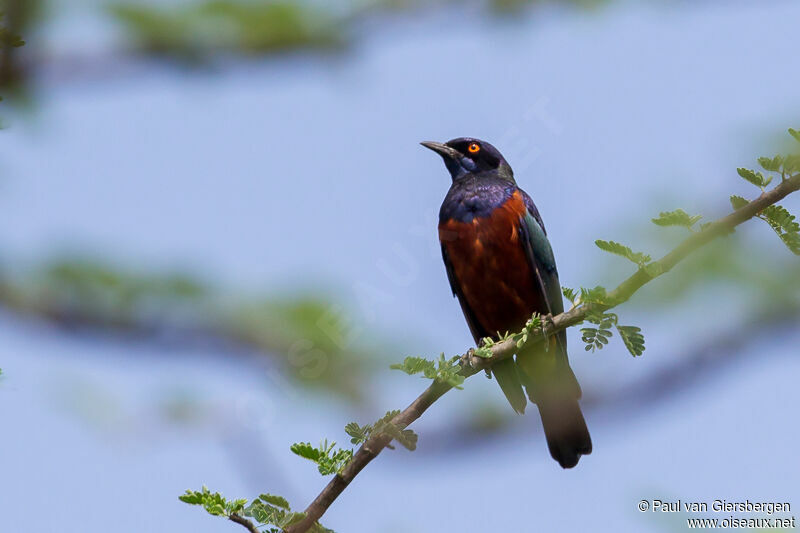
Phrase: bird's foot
(547, 325)
(467, 358)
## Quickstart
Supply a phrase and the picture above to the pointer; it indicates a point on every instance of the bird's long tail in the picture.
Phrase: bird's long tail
(505, 372)
(552, 386)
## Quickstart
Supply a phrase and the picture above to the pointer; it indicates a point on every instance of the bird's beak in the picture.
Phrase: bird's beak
(443, 150)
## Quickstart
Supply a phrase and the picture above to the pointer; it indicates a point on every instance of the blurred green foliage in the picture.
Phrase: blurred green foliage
(214, 26)
(307, 335)
(9, 40)
(16, 17)
(7, 35)
(198, 30)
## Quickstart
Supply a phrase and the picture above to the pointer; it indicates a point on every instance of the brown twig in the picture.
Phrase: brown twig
(244, 522)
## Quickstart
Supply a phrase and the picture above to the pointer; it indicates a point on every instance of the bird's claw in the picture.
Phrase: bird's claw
(466, 359)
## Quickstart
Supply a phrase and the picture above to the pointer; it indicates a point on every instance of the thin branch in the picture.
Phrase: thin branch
(244, 522)
(472, 364)
(703, 362)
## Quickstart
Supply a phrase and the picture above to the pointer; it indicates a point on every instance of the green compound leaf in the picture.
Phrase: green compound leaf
(784, 224)
(269, 509)
(771, 164)
(406, 437)
(444, 370)
(780, 219)
(416, 365)
(679, 217)
(596, 295)
(358, 433)
(791, 163)
(328, 459)
(569, 294)
(756, 178)
(277, 501)
(595, 338)
(620, 249)
(213, 502)
(266, 509)
(633, 339)
(306, 451)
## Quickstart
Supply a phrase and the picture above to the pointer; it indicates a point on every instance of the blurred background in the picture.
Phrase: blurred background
(217, 230)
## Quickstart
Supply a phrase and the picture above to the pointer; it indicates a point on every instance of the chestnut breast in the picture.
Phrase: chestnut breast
(490, 265)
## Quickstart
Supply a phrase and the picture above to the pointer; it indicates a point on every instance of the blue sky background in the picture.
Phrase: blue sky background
(303, 172)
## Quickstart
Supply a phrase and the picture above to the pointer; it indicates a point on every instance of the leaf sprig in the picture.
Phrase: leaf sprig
(621, 250)
(779, 219)
(270, 511)
(784, 224)
(484, 351)
(444, 370)
(596, 338)
(328, 458)
(679, 217)
(332, 460)
(359, 434)
(213, 502)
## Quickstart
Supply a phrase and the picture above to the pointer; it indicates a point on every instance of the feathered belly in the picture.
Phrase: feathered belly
(491, 268)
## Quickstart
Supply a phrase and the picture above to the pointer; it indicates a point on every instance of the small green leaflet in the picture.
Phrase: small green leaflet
(737, 202)
(639, 258)
(794, 133)
(679, 217)
(595, 295)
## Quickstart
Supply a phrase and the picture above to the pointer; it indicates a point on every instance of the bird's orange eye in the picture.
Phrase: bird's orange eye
(474, 148)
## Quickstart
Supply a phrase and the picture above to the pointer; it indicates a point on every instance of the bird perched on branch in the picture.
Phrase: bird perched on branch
(501, 269)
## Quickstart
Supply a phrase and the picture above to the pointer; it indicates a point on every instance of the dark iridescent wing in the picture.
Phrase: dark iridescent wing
(540, 255)
(543, 266)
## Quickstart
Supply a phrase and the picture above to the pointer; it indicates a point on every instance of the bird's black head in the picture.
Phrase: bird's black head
(466, 156)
